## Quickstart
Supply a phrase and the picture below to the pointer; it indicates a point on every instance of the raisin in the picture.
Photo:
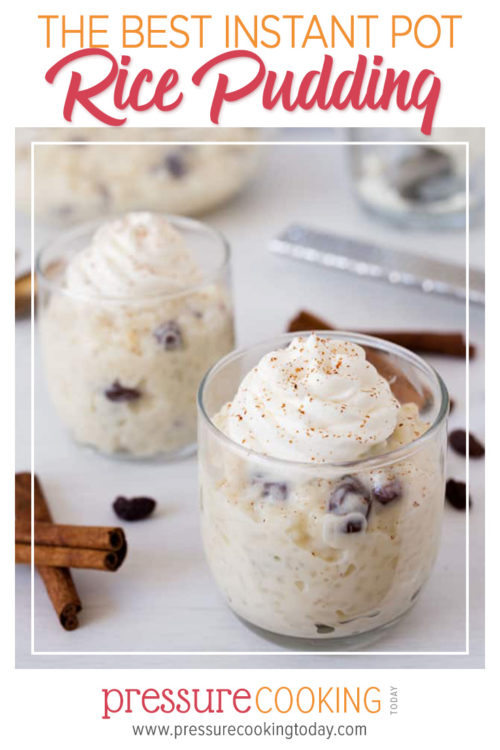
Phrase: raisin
(169, 335)
(386, 493)
(456, 494)
(458, 441)
(118, 393)
(176, 165)
(275, 490)
(134, 508)
(353, 523)
(349, 496)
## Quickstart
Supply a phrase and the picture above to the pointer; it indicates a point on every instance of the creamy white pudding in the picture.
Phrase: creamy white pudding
(315, 400)
(128, 324)
(316, 521)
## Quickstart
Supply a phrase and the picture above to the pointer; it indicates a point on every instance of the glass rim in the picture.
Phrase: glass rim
(362, 339)
(175, 219)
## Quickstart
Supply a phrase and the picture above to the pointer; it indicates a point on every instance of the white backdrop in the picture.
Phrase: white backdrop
(165, 581)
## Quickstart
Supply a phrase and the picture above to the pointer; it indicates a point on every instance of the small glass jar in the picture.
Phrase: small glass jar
(123, 372)
(276, 550)
(421, 183)
(186, 171)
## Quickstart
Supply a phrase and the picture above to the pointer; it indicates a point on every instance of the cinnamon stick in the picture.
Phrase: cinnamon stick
(65, 535)
(451, 344)
(57, 580)
(23, 295)
(402, 388)
(69, 557)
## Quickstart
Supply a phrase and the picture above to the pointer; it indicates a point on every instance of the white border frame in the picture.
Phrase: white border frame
(287, 653)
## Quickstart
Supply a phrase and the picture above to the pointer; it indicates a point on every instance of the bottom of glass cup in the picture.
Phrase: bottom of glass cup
(353, 642)
(177, 454)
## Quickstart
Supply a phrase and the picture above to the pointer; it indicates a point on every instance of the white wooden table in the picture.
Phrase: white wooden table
(163, 599)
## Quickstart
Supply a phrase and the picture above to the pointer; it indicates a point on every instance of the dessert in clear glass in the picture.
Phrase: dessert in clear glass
(132, 311)
(322, 470)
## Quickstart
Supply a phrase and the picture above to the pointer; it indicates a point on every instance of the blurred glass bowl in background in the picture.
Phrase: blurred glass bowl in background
(77, 179)
(420, 183)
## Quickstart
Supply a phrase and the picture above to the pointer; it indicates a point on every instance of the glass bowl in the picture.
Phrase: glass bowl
(281, 558)
(79, 175)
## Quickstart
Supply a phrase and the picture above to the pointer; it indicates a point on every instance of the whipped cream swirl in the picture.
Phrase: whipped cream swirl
(136, 255)
(317, 400)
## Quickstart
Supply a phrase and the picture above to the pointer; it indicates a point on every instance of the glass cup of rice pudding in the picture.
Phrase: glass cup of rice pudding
(322, 472)
(131, 313)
